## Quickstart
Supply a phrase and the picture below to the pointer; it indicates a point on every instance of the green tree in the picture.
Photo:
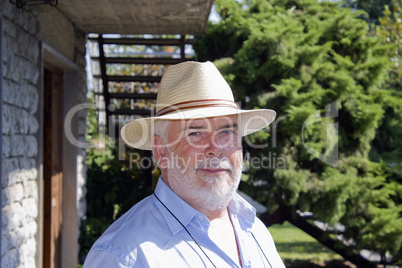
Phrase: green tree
(113, 186)
(373, 8)
(298, 58)
(112, 189)
(387, 145)
(389, 31)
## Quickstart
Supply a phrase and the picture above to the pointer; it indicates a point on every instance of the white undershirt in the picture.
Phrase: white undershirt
(222, 234)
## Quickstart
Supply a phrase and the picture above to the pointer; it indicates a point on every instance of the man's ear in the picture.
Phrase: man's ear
(158, 147)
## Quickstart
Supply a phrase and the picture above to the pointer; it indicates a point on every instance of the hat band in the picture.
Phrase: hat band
(197, 104)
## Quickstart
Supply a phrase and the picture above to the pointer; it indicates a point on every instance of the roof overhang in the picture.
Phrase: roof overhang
(138, 16)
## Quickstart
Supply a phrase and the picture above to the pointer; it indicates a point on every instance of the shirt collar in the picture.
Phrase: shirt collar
(186, 213)
(241, 208)
(177, 206)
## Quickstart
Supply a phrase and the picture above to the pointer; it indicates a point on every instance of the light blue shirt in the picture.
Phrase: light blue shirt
(149, 236)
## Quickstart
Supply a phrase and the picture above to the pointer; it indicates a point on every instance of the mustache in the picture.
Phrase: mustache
(214, 163)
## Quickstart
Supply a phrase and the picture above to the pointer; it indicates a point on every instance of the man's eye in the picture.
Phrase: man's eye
(227, 131)
(194, 133)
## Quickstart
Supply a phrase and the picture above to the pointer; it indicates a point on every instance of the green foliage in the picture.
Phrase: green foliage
(112, 189)
(387, 144)
(92, 132)
(298, 57)
(373, 8)
(113, 186)
(389, 30)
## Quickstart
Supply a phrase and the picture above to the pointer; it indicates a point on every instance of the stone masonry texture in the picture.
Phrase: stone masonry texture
(21, 37)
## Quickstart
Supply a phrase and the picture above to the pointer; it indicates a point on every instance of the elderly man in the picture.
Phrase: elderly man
(195, 218)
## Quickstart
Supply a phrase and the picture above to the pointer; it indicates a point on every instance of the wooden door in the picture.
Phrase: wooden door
(53, 173)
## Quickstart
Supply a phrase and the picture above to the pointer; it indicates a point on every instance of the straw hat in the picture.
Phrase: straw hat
(192, 90)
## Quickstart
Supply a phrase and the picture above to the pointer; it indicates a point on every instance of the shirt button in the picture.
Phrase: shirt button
(200, 218)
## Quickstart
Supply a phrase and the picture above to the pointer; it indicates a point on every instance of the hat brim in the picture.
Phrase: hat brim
(138, 133)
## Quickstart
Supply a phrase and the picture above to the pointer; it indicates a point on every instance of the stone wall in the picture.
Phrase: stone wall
(20, 57)
(79, 55)
(22, 32)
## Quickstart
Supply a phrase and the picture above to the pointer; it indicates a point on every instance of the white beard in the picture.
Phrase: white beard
(211, 193)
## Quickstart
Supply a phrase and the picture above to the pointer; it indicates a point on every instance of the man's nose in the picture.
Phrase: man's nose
(216, 147)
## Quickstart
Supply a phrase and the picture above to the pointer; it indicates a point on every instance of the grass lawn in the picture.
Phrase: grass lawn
(298, 249)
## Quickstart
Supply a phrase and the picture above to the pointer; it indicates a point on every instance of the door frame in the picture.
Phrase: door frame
(70, 98)
(52, 165)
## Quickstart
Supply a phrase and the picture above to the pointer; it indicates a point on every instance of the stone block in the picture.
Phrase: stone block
(30, 209)
(31, 189)
(7, 119)
(9, 27)
(14, 193)
(26, 251)
(26, 175)
(6, 146)
(5, 221)
(10, 172)
(13, 218)
(18, 237)
(29, 230)
(9, 47)
(16, 177)
(31, 243)
(21, 121)
(20, 175)
(13, 70)
(36, 51)
(22, 19)
(31, 100)
(33, 125)
(9, 10)
(29, 262)
(25, 44)
(28, 171)
(31, 146)
(4, 243)
(23, 117)
(28, 164)
(15, 120)
(22, 250)
(19, 68)
(10, 259)
(17, 145)
(4, 198)
(10, 94)
(35, 74)
(29, 70)
(4, 64)
(17, 216)
(29, 23)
